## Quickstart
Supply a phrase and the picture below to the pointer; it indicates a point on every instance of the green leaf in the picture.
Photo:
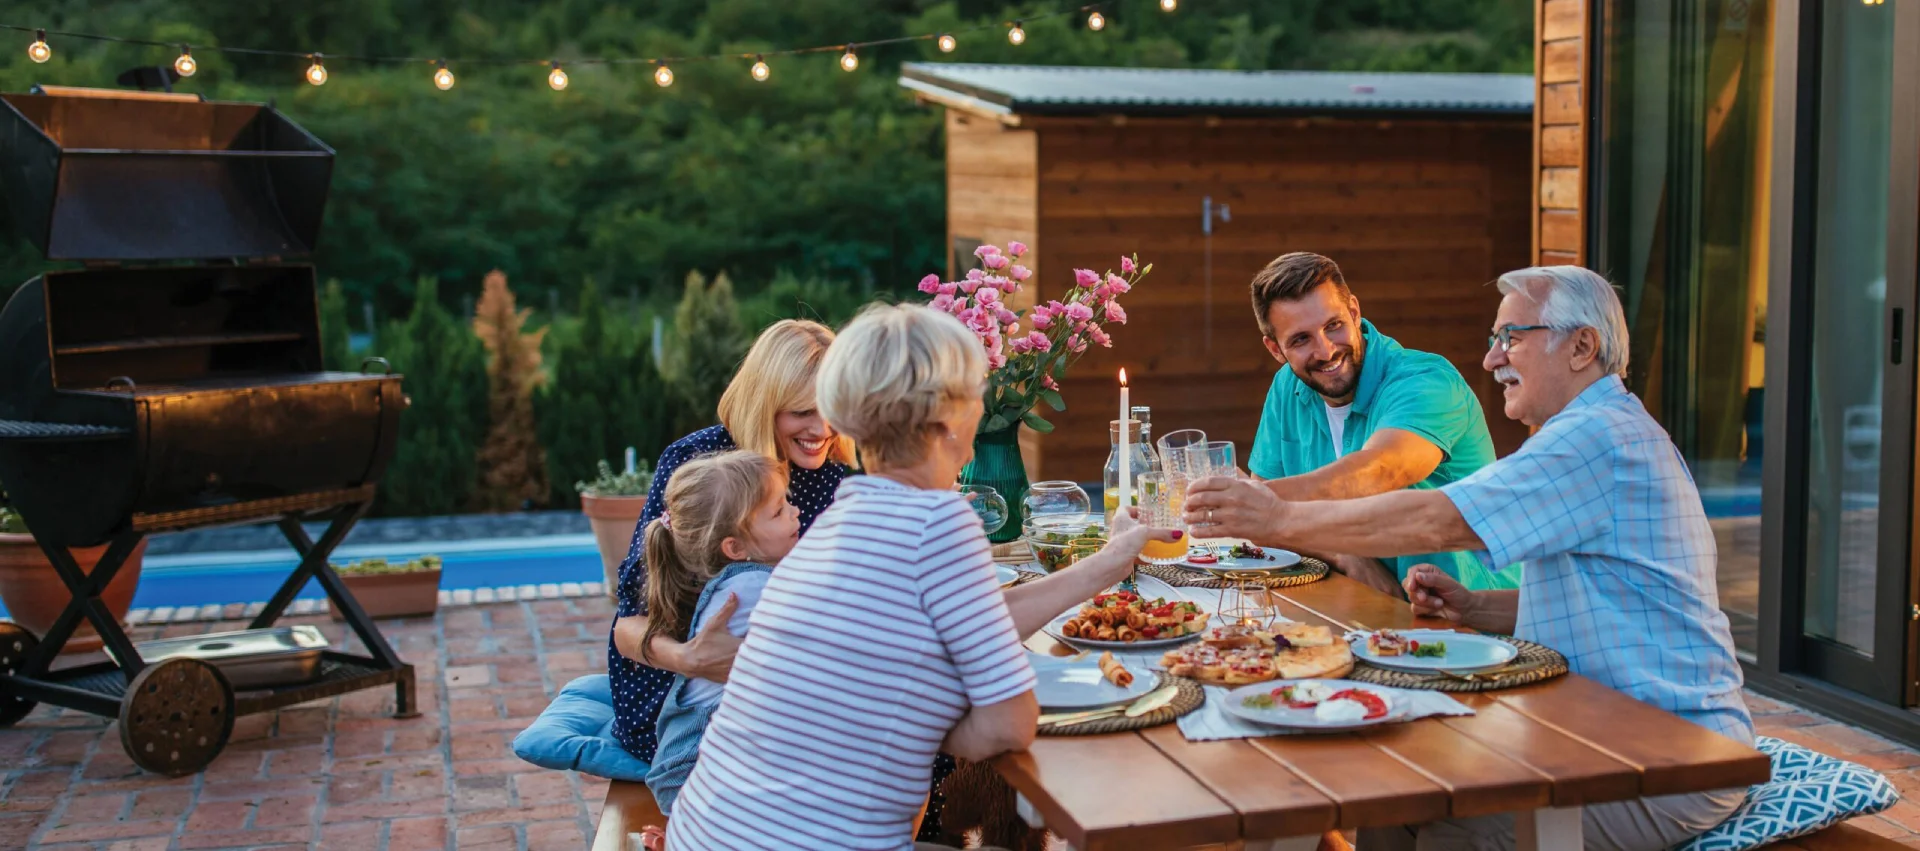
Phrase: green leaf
(1145, 269)
(1053, 400)
(1037, 423)
(997, 423)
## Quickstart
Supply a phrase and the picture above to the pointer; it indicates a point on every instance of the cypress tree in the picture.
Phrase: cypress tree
(445, 373)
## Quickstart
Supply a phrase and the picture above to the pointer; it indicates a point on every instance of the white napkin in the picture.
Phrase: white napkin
(1212, 722)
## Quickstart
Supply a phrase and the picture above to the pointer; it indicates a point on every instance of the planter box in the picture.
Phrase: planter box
(395, 595)
(613, 519)
(35, 595)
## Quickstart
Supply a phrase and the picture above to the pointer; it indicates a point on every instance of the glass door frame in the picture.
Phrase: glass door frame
(1785, 648)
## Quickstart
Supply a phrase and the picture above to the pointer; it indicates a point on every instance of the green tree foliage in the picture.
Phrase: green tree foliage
(703, 349)
(605, 395)
(512, 465)
(445, 370)
(335, 349)
(792, 297)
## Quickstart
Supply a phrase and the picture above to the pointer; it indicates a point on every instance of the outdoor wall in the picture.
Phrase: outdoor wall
(1421, 217)
(1560, 133)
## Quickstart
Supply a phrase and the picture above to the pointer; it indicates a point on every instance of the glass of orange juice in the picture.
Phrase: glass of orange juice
(1160, 508)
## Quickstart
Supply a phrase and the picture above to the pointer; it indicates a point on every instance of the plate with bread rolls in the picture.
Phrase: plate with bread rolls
(1087, 682)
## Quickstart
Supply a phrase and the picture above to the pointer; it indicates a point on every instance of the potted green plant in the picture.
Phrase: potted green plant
(392, 590)
(34, 594)
(613, 503)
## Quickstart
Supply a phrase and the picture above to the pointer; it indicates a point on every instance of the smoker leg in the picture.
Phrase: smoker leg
(313, 562)
(404, 695)
(86, 589)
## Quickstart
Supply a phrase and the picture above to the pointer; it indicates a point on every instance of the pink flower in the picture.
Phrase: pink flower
(987, 294)
(1085, 277)
(943, 301)
(1048, 382)
(1056, 308)
(947, 288)
(995, 261)
(985, 250)
(1038, 342)
(1115, 314)
(1021, 346)
(1008, 317)
(975, 274)
(969, 286)
(930, 284)
(1020, 273)
(1117, 283)
(1076, 343)
(1126, 265)
(1003, 284)
(1016, 248)
(1102, 292)
(1079, 313)
(1041, 318)
(1100, 336)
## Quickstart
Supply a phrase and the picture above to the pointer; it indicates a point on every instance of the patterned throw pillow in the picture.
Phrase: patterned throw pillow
(1809, 791)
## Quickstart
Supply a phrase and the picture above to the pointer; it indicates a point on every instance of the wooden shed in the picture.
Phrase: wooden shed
(1418, 185)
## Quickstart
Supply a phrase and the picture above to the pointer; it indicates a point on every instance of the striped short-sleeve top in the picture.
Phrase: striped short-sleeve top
(880, 629)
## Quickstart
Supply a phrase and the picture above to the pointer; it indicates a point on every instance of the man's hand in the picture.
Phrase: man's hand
(1435, 594)
(1223, 507)
(709, 655)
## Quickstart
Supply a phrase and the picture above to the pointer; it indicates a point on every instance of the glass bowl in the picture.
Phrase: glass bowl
(1058, 540)
(1055, 497)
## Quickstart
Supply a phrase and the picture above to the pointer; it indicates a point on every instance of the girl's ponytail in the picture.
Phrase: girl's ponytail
(668, 584)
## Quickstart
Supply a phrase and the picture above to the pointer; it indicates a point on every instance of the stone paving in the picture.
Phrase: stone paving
(342, 774)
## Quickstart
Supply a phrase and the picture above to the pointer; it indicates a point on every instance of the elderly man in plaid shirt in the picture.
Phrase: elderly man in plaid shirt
(1619, 559)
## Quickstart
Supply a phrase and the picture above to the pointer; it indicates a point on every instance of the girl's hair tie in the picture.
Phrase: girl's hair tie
(665, 521)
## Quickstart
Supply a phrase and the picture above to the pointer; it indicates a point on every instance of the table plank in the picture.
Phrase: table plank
(1579, 774)
(1272, 801)
(1117, 792)
(1371, 787)
(1479, 779)
(1672, 754)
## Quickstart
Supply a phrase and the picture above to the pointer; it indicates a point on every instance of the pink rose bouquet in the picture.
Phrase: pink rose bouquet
(1028, 355)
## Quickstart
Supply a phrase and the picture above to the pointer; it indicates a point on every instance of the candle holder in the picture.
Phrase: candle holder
(1246, 600)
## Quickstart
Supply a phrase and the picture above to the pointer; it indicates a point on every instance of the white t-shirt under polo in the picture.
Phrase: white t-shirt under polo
(1337, 424)
(872, 638)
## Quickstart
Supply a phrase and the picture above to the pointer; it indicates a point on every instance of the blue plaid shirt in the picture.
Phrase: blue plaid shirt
(1620, 560)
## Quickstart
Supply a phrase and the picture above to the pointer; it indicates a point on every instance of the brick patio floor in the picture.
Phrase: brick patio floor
(341, 774)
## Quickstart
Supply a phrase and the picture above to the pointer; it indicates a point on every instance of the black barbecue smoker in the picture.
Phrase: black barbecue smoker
(174, 381)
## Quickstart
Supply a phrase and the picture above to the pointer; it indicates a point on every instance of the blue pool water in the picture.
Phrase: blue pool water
(201, 578)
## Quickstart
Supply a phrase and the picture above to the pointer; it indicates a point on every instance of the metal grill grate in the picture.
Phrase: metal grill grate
(18, 430)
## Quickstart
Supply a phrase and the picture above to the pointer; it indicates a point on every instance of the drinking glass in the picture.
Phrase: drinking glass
(1212, 458)
(1157, 504)
(1178, 467)
(987, 503)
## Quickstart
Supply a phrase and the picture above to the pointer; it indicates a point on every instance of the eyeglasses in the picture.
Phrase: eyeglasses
(1504, 337)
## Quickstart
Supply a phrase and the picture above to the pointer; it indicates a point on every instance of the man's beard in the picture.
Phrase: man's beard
(1336, 385)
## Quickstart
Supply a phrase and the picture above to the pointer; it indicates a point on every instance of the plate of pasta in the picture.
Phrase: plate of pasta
(1125, 620)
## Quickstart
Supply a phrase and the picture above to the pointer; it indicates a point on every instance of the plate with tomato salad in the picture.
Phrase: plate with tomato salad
(1241, 557)
(1128, 620)
(1327, 705)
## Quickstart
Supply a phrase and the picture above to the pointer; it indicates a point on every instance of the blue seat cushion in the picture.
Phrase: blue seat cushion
(1809, 791)
(575, 733)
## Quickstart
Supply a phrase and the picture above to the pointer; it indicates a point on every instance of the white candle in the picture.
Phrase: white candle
(1126, 453)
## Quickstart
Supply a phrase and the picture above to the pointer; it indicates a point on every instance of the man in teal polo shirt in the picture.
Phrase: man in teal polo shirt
(1353, 413)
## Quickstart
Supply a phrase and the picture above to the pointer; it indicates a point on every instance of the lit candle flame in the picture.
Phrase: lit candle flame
(1123, 376)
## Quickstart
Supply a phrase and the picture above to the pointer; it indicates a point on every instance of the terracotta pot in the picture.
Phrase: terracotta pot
(395, 595)
(613, 519)
(35, 595)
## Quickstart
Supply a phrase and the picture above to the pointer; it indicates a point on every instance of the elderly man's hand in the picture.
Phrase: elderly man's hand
(1225, 507)
(1435, 594)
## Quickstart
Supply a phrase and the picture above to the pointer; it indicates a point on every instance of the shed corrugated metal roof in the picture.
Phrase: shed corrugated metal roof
(1079, 90)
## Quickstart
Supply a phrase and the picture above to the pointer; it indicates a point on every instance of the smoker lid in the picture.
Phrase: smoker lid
(106, 175)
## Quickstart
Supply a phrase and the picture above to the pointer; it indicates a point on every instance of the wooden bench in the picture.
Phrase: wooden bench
(628, 808)
(1840, 837)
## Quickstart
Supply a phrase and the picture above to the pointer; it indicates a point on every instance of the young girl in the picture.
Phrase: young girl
(727, 520)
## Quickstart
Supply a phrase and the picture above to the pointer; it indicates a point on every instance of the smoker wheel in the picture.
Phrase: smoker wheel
(18, 430)
(16, 644)
(176, 717)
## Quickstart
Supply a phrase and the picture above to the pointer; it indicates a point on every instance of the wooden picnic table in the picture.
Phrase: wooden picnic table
(1540, 751)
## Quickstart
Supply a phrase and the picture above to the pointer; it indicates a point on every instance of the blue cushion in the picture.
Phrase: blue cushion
(1809, 791)
(575, 733)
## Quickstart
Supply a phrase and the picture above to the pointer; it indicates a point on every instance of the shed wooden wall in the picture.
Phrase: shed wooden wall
(1420, 216)
(992, 189)
(1560, 126)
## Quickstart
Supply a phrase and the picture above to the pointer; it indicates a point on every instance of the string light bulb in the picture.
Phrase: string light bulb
(556, 78)
(1096, 21)
(1017, 35)
(38, 51)
(848, 61)
(443, 78)
(948, 43)
(316, 73)
(663, 75)
(1169, 5)
(185, 64)
(760, 70)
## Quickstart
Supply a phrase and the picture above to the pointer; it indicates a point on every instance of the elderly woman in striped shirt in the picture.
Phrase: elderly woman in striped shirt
(883, 637)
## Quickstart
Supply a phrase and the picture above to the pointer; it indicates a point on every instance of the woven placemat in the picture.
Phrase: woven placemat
(1187, 700)
(1310, 570)
(1536, 663)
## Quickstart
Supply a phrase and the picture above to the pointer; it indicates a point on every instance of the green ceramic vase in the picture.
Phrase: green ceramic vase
(997, 464)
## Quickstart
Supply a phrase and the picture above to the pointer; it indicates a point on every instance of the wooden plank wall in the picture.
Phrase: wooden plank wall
(1421, 217)
(1560, 125)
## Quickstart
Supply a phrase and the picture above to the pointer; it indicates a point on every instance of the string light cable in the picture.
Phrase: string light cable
(317, 71)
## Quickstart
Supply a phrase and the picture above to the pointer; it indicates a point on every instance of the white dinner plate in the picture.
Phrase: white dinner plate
(1466, 652)
(1147, 587)
(1280, 715)
(1275, 559)
(1006, 574)
(1067, 686)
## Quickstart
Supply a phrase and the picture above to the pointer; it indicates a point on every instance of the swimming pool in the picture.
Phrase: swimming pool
(198, 579)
